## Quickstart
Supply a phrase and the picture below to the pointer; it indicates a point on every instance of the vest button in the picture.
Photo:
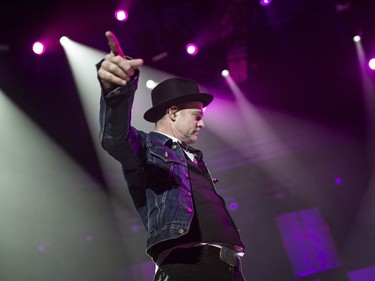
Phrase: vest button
(174, 147)
(189, 193)
(190, 210)
(187, 176)
(181, 231)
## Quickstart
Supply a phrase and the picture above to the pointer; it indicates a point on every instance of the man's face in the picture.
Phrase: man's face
(188, 122)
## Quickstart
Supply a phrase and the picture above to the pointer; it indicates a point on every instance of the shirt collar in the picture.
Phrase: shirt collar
(174, 139)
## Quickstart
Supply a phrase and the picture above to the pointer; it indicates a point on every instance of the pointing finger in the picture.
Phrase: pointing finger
(114, 44)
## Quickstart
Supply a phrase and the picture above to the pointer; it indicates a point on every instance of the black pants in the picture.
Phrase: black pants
(197, 264)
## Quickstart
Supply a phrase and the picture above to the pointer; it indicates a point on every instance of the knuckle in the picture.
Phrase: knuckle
(101, 73)
(107, 57)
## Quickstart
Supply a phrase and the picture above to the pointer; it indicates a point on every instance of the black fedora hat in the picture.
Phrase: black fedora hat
(174, 91)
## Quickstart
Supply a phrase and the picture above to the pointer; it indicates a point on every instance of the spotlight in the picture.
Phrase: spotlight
(38, 48)
(192, 49)
(64, 40)
(121, 15)
(150, 84)
(371, 64)
(357, 38)
(225, 73)
(265, 2)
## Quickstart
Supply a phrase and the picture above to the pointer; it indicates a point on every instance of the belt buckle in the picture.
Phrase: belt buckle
(228, 255)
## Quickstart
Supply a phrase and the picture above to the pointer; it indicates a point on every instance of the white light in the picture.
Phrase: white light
(121, 15)
(150, 84)
(265, 2)
(38, 48)
(192, 49)
(357, 38)
(371, 64)
(225, 73)
(64, 40)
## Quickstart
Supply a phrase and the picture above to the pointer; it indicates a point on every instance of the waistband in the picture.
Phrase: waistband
(223, 253)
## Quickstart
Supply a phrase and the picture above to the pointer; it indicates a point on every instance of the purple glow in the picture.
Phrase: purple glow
(38, 48)
(41, 248)
(371, 64)
(233, 206)
(265, 2)
(363, 274)
(136, 228)
(338, 181)
(121, 15)
(89, 238)
(192, 49)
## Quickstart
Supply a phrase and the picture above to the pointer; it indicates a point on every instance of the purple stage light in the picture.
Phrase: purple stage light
(338, 181)
(233, 206)
(371, 64)
(38, 48)
(265, 2)
(121, 15)
(192, 49)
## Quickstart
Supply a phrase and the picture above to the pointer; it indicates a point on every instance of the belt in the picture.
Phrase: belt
(182, 255)
(225, 254)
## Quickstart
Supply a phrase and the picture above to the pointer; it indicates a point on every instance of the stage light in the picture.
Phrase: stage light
(225, 73)
(192, 49)
(357, 38)
(64, 40)
(233, 206)
(121, 15)
(338, 181)
(38, 48)
(265, 2)
(371, 64)
(150, 84)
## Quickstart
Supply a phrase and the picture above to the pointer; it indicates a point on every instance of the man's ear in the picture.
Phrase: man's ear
(172, 112)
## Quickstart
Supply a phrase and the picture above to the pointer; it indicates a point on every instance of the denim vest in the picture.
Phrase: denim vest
(154, 167)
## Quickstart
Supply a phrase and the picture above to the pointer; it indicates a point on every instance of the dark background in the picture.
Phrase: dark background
(301, 61)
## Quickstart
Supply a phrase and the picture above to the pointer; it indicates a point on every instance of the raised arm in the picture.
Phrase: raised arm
(118, 76)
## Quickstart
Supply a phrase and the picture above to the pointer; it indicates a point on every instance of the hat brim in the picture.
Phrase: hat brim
(153, 114)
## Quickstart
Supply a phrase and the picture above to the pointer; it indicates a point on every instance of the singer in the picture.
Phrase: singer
(191, 235)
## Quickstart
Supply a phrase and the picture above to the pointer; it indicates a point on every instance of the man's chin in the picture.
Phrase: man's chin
(194, 139)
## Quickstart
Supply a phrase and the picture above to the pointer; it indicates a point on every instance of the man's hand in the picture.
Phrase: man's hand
(116, 70)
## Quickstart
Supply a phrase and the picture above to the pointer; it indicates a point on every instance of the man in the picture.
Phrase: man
(191, 235)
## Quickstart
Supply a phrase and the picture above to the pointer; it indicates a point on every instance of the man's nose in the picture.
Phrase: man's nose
(201, 124)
